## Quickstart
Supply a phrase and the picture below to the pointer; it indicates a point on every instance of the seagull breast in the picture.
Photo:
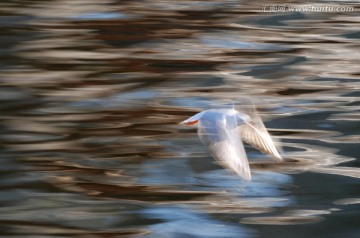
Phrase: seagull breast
(217, 131)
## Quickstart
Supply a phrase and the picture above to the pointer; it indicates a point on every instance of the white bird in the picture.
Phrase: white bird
(222, 130)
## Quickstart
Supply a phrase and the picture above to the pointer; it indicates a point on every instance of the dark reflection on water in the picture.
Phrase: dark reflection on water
(91, 93)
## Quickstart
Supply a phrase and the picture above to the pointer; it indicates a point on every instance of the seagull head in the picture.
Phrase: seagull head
(217, 115)
(193, 120)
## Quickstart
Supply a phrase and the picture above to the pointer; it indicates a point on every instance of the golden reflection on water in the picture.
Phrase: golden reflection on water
(92, 93)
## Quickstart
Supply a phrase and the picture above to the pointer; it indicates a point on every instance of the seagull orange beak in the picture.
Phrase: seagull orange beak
(188, 123)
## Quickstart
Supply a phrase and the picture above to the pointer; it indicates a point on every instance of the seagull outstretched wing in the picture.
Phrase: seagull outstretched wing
(255, 134)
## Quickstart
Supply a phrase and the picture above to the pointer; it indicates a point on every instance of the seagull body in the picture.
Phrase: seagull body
(222, 131)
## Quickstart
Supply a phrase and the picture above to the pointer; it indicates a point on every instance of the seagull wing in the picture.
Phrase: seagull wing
(255, 134)
(225, 146)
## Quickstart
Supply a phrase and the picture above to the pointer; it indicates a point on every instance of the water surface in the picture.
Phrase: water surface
(91, 93)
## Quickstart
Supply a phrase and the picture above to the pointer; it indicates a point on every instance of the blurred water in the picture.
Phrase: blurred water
(91, 93)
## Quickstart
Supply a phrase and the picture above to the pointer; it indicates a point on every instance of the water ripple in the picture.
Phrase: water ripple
(91, 93)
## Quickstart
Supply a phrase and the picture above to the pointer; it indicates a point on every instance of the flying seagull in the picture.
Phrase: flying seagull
(222, 131)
